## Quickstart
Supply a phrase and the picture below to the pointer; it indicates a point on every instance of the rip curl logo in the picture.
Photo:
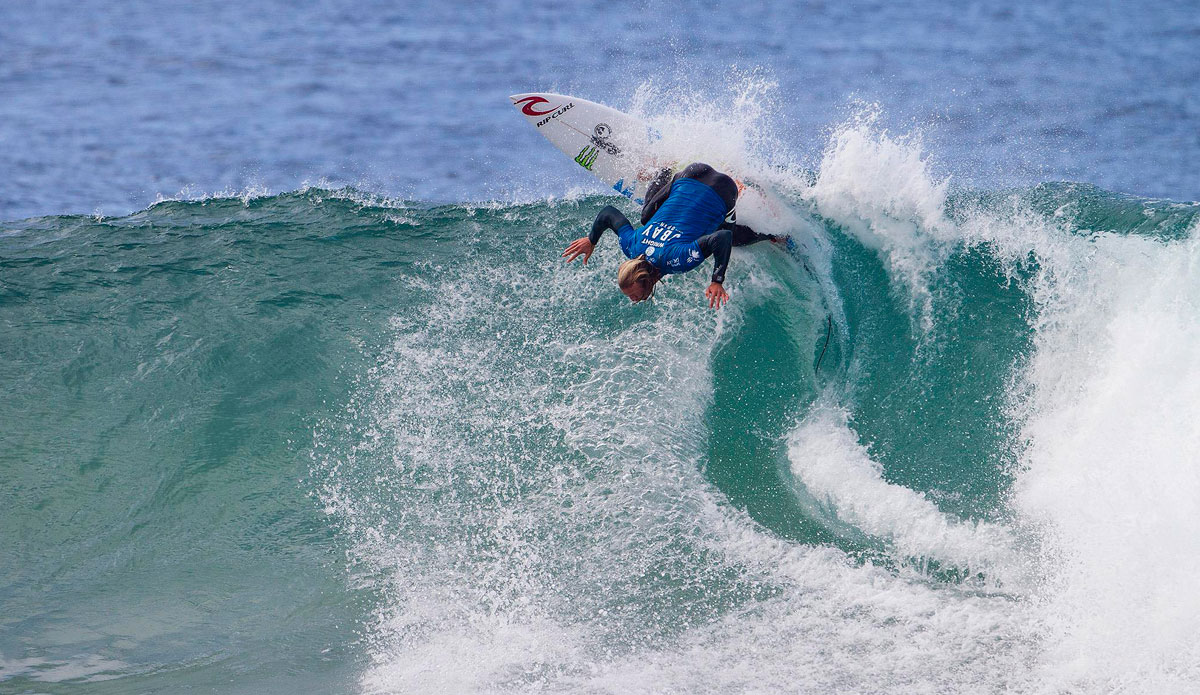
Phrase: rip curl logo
(531, 102)
(555, 114)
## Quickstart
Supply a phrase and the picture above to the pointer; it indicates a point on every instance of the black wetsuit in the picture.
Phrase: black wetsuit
(682, 224)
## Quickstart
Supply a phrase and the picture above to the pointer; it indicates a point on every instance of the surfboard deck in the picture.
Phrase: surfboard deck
(621, 150)
(612, 146)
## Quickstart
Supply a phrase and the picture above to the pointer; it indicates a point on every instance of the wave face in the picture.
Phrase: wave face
(320, 438)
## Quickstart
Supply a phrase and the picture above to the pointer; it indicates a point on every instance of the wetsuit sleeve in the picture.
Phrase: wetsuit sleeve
(656, 193)
(718, 245)
(608, 218)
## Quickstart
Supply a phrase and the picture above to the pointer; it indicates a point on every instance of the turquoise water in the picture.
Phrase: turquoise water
(324, 441)
(165, 374)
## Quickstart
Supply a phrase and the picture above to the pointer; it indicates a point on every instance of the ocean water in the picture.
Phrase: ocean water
(299, 397)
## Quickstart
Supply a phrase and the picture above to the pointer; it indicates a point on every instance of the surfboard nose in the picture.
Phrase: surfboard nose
(525, 97)
(536, 105)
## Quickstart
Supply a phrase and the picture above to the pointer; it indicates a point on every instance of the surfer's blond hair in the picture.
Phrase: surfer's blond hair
(637, 271)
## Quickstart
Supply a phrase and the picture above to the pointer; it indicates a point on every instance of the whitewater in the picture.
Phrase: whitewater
(947, 445)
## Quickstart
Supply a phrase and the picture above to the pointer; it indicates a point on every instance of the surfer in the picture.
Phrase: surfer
(686, 219)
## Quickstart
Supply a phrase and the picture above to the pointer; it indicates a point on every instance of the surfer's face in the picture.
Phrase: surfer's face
(639, 291)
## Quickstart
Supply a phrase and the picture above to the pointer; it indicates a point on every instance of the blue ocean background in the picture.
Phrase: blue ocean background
(298, 396)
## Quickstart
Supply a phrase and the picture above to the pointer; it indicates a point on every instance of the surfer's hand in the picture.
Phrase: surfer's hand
(580, 247)
(716, 295)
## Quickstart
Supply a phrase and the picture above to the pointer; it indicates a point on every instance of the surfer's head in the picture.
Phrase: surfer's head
(636, 278)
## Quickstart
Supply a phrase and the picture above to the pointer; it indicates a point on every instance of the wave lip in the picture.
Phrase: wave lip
(1102, 405)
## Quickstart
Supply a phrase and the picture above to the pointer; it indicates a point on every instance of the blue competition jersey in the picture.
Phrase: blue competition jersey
(691, 211)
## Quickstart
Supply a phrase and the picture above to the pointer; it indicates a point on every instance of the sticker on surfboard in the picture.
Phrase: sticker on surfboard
(613, 146)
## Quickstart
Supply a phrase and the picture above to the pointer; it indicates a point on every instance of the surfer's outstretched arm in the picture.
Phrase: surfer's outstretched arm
(717, 245)
(608, 218)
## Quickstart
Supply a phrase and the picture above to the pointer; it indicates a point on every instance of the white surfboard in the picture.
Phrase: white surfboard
(621, 150)
(613, 146)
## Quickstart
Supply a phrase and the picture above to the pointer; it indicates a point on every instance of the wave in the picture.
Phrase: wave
(946, 445)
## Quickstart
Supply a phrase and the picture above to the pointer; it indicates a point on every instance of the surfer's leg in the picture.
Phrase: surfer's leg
(696, 170)
(656, 193)
(744, 236)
